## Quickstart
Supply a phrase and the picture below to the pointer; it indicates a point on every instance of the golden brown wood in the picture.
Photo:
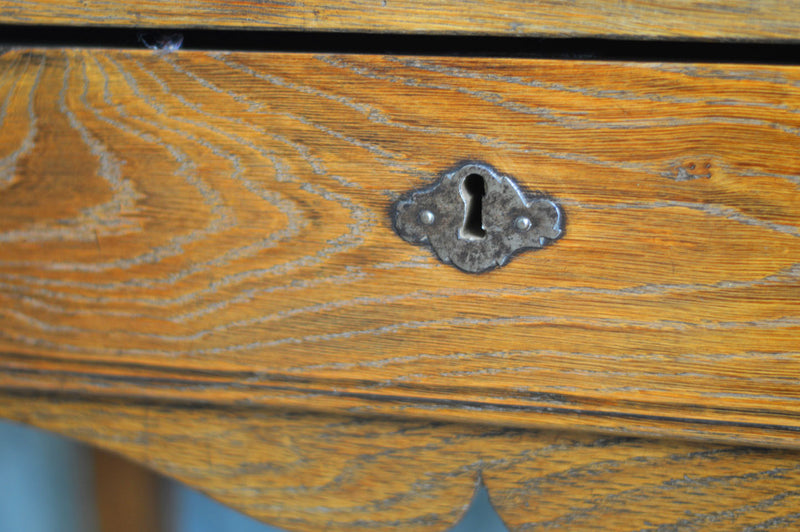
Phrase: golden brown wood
(306, 472)
(637, 19)
(212, 228)
(129, 497)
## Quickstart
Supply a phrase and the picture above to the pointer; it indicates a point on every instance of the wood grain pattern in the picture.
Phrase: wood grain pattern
(212, 228)
(765, 20)
(304, 472)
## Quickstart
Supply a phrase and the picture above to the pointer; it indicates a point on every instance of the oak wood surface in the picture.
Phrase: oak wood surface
(764, 20)
(212, 228)
(305, 472)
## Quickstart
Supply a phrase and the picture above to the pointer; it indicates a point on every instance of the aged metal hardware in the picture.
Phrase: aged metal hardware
(476, 219)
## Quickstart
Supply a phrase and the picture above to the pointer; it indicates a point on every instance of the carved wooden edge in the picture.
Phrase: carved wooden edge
(308, 472)
(637, 19)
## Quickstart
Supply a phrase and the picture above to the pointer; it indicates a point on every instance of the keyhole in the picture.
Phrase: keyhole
(473, 189)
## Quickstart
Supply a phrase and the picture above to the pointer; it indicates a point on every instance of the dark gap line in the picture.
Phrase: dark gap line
(402, 44)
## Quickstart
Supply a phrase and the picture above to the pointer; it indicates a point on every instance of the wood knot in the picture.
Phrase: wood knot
(689, 169)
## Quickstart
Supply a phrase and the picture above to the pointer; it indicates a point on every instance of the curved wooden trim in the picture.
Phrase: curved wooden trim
(306, 472)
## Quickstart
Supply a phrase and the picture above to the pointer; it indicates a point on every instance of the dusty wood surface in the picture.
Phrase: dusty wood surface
(673, 19)
(306, 472)
(212, 228)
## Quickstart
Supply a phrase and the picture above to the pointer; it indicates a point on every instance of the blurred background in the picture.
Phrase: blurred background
(52, 484)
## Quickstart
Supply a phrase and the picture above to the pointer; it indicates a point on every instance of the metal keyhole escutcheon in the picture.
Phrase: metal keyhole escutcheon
(477, 219)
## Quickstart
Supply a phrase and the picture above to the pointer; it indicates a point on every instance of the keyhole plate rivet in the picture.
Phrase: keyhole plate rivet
(427, 217)
(477, 219)
(523, 223)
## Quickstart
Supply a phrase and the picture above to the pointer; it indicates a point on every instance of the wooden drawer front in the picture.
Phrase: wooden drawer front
(213, 228)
